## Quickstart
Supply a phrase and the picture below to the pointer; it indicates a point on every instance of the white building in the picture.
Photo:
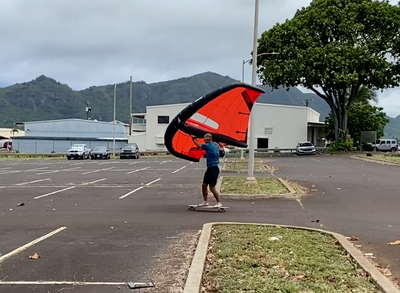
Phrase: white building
(276, 126)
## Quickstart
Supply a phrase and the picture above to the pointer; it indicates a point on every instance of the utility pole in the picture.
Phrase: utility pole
(250, 177)
(130, 108)
(88, 111)
(115, 101)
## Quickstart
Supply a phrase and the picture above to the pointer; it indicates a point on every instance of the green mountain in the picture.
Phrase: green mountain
(44, 98)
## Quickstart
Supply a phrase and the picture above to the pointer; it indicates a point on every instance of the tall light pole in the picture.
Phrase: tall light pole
(246, 61)
(250, 175)
(115, 101)
(130, 108)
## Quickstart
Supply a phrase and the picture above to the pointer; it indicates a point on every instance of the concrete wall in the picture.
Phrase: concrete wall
(139, 138)
(283, 126)
(155, 131)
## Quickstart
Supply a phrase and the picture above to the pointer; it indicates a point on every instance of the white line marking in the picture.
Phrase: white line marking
(41, 168)
(60, 283)
(179, 169)
(54, 192)
(130, 192)
(22, 248)
(138, 170)
(95, 171)
(97, 181)
(40, 180)
(133, 163)
(153, 181)
(77, 164)
(56, 171)
(48, 172)
(10, 172)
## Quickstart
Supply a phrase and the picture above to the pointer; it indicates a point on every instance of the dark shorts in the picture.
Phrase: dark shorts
(211, 176)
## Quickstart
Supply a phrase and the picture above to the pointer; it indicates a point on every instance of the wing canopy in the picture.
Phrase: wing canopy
(224, 113)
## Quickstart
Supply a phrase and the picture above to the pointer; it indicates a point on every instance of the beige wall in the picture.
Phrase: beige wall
(6, 132)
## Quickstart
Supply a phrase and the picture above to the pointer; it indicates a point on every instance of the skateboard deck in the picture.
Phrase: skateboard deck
(193, 207)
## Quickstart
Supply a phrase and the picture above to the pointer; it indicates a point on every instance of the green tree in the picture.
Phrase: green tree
(362, 117)
(335, 48)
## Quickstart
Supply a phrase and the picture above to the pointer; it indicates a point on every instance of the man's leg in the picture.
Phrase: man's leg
(213, 183)
(204, 191)
(214, 192)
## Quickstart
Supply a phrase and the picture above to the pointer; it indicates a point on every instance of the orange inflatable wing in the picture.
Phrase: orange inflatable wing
(224, 113)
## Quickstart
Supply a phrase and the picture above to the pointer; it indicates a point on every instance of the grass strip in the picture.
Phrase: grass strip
(237, 185)
(251, 258)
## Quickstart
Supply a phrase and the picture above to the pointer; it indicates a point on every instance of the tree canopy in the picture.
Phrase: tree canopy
(335, 48)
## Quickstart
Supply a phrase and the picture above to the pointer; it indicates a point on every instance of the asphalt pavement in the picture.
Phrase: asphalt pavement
(105, 223)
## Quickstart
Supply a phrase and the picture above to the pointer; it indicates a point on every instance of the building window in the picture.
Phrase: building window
(268, 130)
(163, 119)
(262, 143)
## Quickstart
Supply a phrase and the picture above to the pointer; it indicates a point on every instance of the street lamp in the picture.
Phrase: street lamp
(115, 100)
(246, 61)
(250, 176)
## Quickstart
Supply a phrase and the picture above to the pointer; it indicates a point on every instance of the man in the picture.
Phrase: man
(212, 172)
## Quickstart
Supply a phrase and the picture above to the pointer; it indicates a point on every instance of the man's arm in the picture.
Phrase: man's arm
(196, 142)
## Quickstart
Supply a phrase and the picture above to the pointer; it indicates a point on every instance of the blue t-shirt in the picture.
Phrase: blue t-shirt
(212, 153)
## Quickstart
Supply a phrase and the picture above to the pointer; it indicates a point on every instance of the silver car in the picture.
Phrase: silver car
(78, 151)
(305, 148)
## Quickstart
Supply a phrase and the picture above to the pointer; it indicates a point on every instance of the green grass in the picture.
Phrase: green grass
(381, 157)
(245, 258)
(242, 165)
(237, 185)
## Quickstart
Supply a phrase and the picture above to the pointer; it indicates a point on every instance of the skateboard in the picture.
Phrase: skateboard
(193, 207)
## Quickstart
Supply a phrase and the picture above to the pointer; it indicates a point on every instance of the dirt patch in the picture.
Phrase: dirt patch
(174, 263)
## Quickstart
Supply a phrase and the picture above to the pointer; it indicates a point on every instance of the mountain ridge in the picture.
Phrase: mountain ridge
(44, 98)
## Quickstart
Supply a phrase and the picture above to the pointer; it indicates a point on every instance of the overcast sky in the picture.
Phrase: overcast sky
(96, 42)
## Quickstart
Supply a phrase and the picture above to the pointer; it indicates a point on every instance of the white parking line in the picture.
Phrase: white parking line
(97, 181)
(130, 192)
(61, 283)
(56, 171)
(95, 171)
(11, 172)
(153, 181)
(54, 192)
(133, 163)
(22, 248)
(179, 169)
(165, 162)
(40, 180)
(48, 172)
(134, 171)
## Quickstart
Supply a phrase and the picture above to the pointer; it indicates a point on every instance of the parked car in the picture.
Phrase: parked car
(383, 145)
(129, 150)
(305, 148)
(100, 152)
(78, 151)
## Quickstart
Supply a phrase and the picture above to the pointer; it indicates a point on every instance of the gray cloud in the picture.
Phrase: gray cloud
(96, 42)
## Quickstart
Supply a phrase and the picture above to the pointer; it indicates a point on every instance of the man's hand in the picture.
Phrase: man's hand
(195, 141)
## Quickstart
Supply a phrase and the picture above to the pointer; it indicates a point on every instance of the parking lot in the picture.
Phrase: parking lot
(103, 222)
(98, 224)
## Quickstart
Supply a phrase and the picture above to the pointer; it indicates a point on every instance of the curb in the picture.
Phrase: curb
(194, 279)
(378, 161)
(242, 196)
